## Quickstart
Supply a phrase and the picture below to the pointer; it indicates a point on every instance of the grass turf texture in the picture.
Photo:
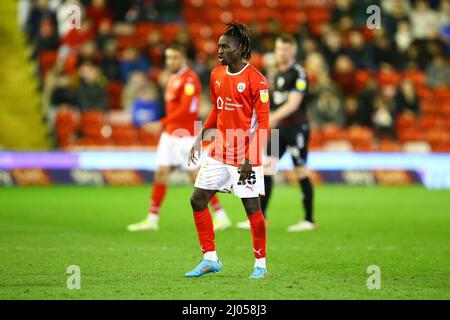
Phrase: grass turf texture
(405, 231)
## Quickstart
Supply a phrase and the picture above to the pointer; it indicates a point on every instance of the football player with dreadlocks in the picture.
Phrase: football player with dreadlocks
(240, 117)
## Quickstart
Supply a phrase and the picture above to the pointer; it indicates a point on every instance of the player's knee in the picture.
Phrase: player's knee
(251, 205)
(162, 174)
(302, 173)
(198, 202)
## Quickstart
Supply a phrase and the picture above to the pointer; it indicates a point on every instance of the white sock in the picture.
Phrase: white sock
(261, 262)
(152, 217)
(210, 255)
(221, 214)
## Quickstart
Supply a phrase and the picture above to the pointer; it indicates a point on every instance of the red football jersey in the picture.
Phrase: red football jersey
(240, 112)
(182, 99)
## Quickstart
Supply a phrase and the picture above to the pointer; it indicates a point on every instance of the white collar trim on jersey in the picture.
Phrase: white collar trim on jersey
(235, 74)
(182, 70)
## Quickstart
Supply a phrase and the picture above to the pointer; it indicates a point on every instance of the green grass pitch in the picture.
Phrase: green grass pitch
(403, 230)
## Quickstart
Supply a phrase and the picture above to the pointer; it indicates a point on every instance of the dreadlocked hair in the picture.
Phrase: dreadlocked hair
(242, 34)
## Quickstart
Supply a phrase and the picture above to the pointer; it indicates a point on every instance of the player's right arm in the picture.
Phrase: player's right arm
(210, 123)
(297, 87)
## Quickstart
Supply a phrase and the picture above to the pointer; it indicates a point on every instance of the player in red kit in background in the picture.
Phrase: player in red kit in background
(182, 99)
(240, 108)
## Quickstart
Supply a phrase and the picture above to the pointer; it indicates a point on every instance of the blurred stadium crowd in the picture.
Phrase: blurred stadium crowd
(386, 89)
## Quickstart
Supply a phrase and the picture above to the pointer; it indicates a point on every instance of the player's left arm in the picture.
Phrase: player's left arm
(295, 98)
(261, 105)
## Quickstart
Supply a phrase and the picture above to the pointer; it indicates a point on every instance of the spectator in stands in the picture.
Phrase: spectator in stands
(40, 12)
(385, 51)
(64, 94)
(360, 51)
(344, 8)
(47, 40)
(49, 84)
(142, 10)
(328, 109)
(184, 39)
(110, 65)
(438, 73)
(104, 34)
(267, 38)
(443, 13)
(407, 101)
(133, 61)
(403, 36)
(416, 56)
(315, 66)
(308, 45)
(91, 92)
(423, 20)
(88, 53)
(145, 107)
(383, 118)
(352, 112)
(74, 38)
(344, 75)
(333, 46)
(136, 83)
(365, 102)
(394, 11)
(155, 48)
(98, 11)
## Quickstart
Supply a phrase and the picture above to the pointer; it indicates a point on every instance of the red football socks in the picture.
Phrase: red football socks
(205, 230)
(215, 203)
(258, 228)
(158, 194)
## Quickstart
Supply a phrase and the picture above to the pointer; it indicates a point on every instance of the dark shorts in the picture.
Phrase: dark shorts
(293, 139)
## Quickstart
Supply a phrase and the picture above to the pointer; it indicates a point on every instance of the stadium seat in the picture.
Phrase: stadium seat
(429, 106)
(386, 78)
(437, 136)
(143, 29)
(114, 90)
(244, 15)
(92, 123)
(404, 121)
(361, 138)
(410, 134)
(389, 146)
(416, 76)
(362, 77)
(428, 122)
(194, 3)
(126, 41)
(148, 139)
(125, 135)
(169, 31)
(331, 132)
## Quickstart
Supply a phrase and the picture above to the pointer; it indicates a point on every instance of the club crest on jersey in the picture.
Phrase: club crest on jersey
(189, 89)
(241, 86)
(264, 95)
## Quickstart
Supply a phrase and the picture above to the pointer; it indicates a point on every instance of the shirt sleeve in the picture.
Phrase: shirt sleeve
(261, 104)
(189, 101)
(297, 81)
